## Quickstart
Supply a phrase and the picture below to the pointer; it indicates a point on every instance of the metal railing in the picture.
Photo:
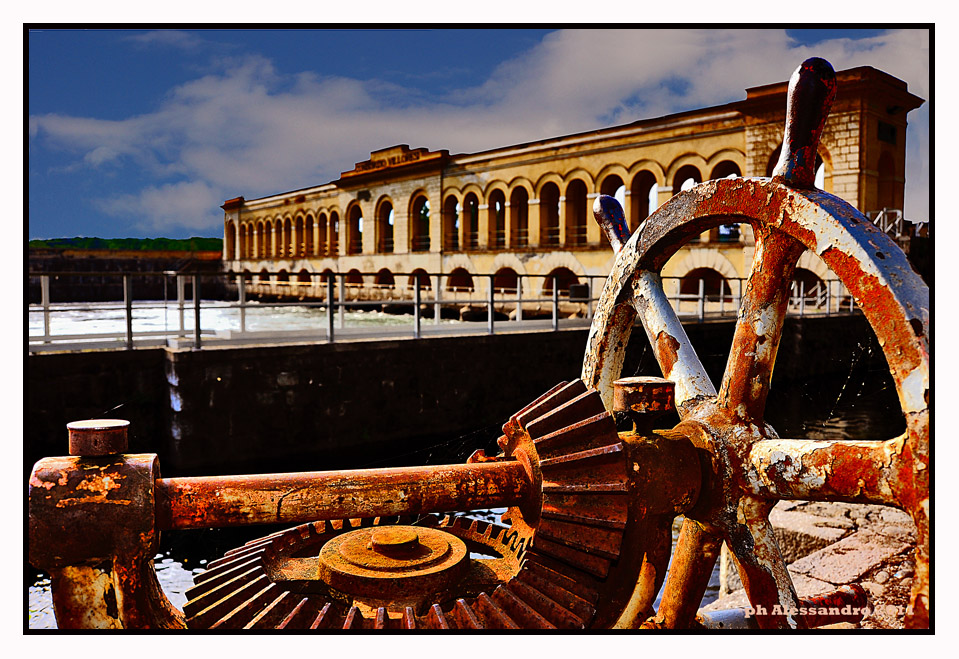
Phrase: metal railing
(529, 303)
(892, 222)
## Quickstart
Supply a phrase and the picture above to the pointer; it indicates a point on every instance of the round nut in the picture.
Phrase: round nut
(95, 437)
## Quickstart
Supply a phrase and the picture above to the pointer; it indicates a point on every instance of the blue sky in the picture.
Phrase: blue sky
(143, 133)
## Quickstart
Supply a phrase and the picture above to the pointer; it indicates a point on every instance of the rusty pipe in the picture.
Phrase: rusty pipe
(216, 501)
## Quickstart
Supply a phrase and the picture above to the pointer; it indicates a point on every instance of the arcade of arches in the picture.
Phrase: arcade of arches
(526, 210)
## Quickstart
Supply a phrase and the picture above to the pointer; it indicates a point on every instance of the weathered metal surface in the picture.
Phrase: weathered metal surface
(98, 437)
(203, 502)
(92, 528)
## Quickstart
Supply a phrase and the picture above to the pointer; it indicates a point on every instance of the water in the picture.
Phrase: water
(72, 318)
(860, 404)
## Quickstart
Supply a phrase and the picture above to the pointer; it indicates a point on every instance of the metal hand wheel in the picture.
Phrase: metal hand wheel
(751, 467)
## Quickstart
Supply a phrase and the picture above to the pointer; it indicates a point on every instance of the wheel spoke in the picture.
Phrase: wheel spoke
(696, 552)
(833, 470)
(762, 568)
(752, 356)
(676, 356)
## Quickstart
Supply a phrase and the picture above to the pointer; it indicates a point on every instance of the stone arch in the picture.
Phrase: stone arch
(549, 200)
(232, 238)
(605, 176)
(690, 165)
(496, 217)
(304, 276)
(384, 279)
(518, 212)
(299, 236)
(309, 235)
(423, 277)
(644, 184)
(725, 162)
(576, 202)
(707, 258)
(419, 219)
(354, 228)
(334, 228)
(383, 230)
(460, 280)
(470, 217)
(564, 279)
(354, 278)
(322, 233)
(714, 284)
(505, 279)
(450, 218)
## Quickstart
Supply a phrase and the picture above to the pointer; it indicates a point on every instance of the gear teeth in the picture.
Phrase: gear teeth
(274, 613)
(595, 565)
(593, 432)
(244, 613)
(210, 592)
(435, 618)
(354, 619)
(464, 617)
(224, 599)
(563, 575)
(516, 421)
(381, 619)
(301, 614)
(546, 606)
(216, 572)
(571, 602)
(584, 406)
(593, 540)
(520, 610)
(324, 618)
(606, 510)
(493, 616)
(600, 469)
(409, 619)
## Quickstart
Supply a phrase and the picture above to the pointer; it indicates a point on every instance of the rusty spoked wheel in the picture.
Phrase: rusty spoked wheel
(751, 467)
(449, 571)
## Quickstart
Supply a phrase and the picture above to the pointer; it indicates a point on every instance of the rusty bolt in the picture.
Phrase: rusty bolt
(95, 437)
(643, 399)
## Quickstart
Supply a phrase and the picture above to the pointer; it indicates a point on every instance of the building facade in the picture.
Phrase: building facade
(524, 211)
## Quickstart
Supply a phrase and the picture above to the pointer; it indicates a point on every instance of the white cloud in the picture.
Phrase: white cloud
(249, 129)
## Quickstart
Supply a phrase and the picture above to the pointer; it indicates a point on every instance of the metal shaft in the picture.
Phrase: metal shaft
(217, 501)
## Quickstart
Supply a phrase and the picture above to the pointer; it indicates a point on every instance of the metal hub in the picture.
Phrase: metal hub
(395, 563)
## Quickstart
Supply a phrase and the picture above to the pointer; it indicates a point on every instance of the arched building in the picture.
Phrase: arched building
(405, 210)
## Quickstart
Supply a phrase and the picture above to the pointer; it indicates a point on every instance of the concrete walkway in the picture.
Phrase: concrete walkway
(826, 545)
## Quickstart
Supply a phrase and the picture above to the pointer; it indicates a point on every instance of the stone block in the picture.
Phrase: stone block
(850, 558)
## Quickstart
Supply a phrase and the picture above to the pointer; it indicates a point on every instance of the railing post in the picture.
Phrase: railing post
(828, 297)
(555, 303)
(181, 301)
(589, 302)
(128, 303)
(437, 306)
(45, 302)
(241, 296)
(802, 298)
(491, 312)
(196, 312)
(701, 306)
(722, 297)
(342, 310)
(519, 298)
(329, 309)
(416, 307)
(739, 296)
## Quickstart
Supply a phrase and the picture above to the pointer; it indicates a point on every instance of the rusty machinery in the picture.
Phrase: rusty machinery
(586, 540)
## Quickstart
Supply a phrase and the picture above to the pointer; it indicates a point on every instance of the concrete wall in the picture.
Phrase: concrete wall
(362, 404)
